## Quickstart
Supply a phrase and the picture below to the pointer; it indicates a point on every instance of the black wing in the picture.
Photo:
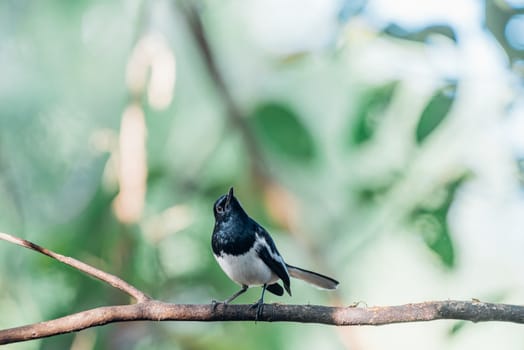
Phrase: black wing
(267, 251)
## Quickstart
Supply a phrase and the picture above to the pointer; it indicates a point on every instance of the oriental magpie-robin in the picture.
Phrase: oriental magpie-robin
(247, 254)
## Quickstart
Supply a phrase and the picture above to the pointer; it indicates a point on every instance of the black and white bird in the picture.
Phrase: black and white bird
(247, 254)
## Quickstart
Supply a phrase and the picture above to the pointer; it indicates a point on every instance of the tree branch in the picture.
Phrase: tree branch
(147, 309)
(108, 278)
(153, 310)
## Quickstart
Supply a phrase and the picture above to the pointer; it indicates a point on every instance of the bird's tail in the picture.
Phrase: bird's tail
(314, 278)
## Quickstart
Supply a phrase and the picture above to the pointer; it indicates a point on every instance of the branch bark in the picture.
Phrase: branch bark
(108, 278)
(147, 309)
(153, 310)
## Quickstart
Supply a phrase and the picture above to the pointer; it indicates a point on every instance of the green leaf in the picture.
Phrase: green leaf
(437, 237)
(281, 130)
(370, 111)
(372, 192)
(436, 110)
(457, 327)
(432, 223)
(420, 35)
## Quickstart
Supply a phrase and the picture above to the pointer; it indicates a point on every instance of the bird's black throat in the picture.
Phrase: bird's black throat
(234, 234)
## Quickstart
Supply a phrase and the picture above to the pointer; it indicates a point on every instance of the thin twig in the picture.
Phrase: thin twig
(108, 278)
(153, 310)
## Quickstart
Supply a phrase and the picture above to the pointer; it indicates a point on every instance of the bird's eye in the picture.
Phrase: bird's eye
(220, 210)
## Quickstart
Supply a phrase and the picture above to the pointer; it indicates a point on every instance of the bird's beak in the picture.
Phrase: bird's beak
(229, 196)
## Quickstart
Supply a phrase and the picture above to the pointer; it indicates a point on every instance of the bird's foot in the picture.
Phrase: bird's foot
(215, 303)
(260, 306)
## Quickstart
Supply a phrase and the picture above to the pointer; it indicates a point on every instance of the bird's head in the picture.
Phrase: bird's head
(227, 206)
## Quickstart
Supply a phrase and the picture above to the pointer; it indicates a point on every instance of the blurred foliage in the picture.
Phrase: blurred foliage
(364, 125)
(369, 111)
(498, 15)
(435, 111)
(431, 221)
(280, 129)
(422, 35)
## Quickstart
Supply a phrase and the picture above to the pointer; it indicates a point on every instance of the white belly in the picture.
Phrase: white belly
(247, 269)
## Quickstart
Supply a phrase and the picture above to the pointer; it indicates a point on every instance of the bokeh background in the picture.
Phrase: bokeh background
(380, 142)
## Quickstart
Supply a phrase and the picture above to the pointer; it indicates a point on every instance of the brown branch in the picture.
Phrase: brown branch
(108, 278)
(148, 309)
(153, 310)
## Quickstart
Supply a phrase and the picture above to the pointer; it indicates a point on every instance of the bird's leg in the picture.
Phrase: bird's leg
(231, 298)
(260, 303)
(234, 296)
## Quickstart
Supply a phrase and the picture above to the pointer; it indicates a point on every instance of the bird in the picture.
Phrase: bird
(248, 255)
